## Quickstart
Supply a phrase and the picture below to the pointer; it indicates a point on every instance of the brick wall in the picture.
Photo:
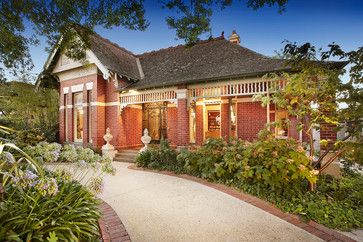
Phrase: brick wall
(131, 127)
(327, 131)
(293, 132)
(251, 118)
(69, 137)
(183, 123)
(172, 120)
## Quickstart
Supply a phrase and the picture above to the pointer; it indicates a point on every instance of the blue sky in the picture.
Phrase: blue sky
(316, 21)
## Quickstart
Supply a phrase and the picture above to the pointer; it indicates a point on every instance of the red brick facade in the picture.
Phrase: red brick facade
(251, 118)
(101, 110)
(172, 129)
(183, 122)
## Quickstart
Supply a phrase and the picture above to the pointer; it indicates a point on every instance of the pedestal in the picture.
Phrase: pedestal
(109, 151)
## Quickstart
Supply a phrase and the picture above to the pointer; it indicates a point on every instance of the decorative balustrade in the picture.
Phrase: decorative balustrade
(233, 88)
(236, 88)
(148, 96)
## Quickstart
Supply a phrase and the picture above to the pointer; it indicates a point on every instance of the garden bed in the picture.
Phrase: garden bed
(40, 204)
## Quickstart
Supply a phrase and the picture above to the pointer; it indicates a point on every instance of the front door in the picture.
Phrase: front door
(154, 119)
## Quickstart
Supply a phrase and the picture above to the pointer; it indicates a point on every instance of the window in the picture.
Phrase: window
(233, 118)
(281, 117)
(89, 98)
(65, 102)
(78, 117)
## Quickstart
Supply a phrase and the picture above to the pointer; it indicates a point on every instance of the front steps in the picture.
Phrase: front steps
(126, 155)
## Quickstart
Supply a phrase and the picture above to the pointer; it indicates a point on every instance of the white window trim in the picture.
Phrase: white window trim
(77, 88)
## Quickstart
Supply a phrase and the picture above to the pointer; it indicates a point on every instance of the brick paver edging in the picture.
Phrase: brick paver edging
(312, 227)
(111, 227)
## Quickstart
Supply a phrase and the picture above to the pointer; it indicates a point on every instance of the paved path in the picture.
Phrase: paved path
(157, 207)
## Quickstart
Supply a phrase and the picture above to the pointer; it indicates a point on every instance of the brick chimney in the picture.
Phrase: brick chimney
(234, 38)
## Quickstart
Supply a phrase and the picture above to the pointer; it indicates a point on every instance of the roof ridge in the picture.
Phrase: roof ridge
(113, 44)
(180, 46)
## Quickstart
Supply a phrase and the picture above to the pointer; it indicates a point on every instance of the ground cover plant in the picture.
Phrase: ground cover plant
(40, 204)
(276, 170)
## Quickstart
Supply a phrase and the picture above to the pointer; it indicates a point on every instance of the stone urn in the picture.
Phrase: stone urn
(145, 139)
(108, 150)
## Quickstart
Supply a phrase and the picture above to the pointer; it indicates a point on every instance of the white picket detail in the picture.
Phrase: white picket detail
(148, 96)
(236, 89)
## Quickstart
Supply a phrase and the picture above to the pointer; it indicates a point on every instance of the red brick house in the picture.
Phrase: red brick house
(184, 94)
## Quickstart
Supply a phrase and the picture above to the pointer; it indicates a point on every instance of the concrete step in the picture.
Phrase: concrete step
(124, 159)
(126, 155)
(129, 151)
(131, 155)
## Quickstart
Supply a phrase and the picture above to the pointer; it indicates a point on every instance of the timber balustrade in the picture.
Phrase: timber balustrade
(210, 90)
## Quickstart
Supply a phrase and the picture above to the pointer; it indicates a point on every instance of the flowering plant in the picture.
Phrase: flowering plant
(44, 151)
(37, 203)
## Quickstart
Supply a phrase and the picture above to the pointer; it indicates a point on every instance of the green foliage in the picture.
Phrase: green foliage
(54, 152)
(205, 160)
(70, 215)
(32, 114)
(275, 164)
(336, 203)
(37, 204)
(44, 152)
(53, 19)
(316, 95)
(193, 18)
(161, 157)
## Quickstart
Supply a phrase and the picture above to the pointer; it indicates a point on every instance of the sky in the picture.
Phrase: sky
(316, 21)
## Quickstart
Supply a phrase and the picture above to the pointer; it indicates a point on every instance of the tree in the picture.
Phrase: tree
(194, 16)
(317, 97)
(33, 115)
(58, 20)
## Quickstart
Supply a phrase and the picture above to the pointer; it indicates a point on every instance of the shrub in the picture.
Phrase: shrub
(276, 164)
(204, 161)
(27, 137)
(162, 157)
(54, 152)
(69, 153)
(44, 151)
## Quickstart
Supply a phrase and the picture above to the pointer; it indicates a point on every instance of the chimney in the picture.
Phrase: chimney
(234, 38)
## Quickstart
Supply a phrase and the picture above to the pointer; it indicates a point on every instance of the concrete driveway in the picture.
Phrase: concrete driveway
(156, 207)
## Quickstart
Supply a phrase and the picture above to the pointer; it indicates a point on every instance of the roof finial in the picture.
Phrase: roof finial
(222, 35)
(234, 37)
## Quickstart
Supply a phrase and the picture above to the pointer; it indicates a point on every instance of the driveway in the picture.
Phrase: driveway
(156, 207)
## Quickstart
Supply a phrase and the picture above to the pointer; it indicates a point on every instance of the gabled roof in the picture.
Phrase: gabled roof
(213, 59)
(114, 57)
(209, 60)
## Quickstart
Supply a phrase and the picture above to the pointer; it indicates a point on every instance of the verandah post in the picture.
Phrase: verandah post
(183, 117)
